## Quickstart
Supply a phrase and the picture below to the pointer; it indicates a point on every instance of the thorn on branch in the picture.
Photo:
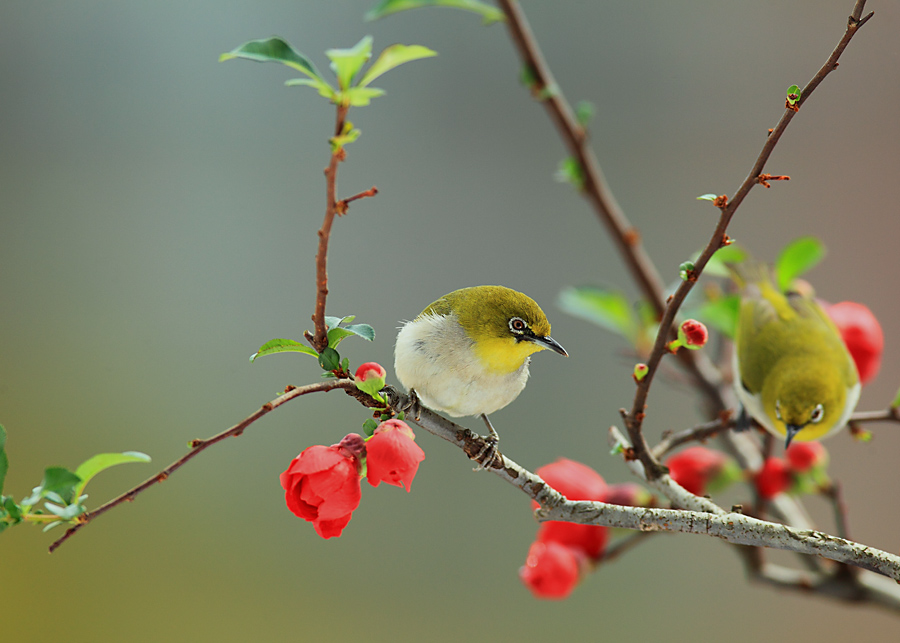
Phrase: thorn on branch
(763, 179)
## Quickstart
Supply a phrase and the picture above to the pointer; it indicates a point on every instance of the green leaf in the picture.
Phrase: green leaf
(362, 330)
(369, 427)
(51, 525)
(896, 402)
(392, 57)
(570, 171)
(61, 481)
(283, 346)
(329, 359)
(488, 13)
(721, 313)
(349, 135)
(359, 97)
(584, 112)
(333, 322)
(4, 460)
(707, 197)
(92, 466)
(608, 309)
(797, 258)
(685, 270)
(13, 510)
(274, 50)
(345, 63)
(717, 266)
(793, 94)
(67, 513)
(324, 88)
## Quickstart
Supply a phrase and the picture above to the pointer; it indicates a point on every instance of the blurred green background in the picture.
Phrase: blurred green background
(159, 212)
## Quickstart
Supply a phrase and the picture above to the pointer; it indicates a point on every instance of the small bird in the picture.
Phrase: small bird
(468, 352)
(793, 373)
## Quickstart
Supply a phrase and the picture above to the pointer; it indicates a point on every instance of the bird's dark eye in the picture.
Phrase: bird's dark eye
(517, 325)
(817, 414)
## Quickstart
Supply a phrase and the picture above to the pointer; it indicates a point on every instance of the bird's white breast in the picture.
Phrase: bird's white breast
(435, 356)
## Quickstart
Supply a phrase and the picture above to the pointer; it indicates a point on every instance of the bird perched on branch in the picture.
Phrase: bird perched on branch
(468, 352)
(792, 372)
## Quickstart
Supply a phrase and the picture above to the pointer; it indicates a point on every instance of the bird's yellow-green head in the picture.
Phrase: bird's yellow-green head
(804, 401)
(505, 326)
(793, 372)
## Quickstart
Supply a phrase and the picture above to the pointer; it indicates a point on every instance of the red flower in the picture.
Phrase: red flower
(551, 570)
(695, 467)
(862, 335)
(322, 485)
(803, 456)
(575, 481)
(392, 454)
(773, 478)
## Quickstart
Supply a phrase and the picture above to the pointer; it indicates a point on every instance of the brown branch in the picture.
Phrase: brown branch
(634, 419)
(341, 206)
(699, 433)
(319, 340)
(198, 446)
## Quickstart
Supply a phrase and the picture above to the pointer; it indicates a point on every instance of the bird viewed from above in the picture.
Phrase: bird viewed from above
(793, 373)
(468, 353)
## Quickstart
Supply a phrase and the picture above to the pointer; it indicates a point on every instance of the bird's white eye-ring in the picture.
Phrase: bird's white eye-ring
(778, 409)
(817, 414)
(517, 325)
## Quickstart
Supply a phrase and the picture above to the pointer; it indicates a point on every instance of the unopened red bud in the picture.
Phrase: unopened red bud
(862, 335)
(773, 478)
(640, 372)
(693, 334)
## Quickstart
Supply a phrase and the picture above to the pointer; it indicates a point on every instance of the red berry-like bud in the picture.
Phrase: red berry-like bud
(369, 378)
(640, 372)
(392, 455)
(862, 335)
(803, 456)
(695, 467)
(551, 570)
(773, 478)
(370, 369)
(693, 334)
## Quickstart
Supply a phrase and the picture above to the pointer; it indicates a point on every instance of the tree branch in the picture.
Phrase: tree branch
(198, 446)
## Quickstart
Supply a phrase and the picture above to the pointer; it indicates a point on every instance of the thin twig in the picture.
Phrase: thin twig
(319, 340)
(891, 414)
(198, 446)
(634, 419)
(700, 433)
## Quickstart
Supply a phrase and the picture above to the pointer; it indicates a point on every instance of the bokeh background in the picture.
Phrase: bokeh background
(159, 212)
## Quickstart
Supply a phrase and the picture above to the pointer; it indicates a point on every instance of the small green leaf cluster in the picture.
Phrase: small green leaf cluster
(345, 63)
(338, 328)
(61, 491)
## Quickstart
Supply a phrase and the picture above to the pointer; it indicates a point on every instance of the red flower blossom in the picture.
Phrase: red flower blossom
(773, 478)
(551, 570)
(322, 485)
(803, 456)
(575, 481)
(695, 467)
(862, 335)
(393, 455)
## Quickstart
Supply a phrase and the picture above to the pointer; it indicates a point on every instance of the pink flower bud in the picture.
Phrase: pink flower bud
(693, 334)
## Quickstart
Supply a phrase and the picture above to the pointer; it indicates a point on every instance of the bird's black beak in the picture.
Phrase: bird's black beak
(792, 430)
(549, 342)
